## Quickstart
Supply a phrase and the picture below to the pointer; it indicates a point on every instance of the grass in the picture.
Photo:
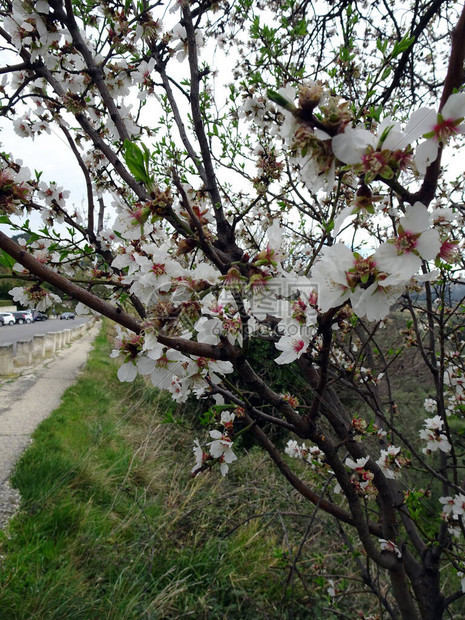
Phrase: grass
(112, 526)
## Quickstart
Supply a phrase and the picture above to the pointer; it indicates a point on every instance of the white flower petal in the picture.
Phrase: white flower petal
(425, 154)
(340, 219)
(127, 372)
(416, 218)
(145, 365)
(454, 108)
(401, 267)
(429, 244)
(349, 146)
(421, 121)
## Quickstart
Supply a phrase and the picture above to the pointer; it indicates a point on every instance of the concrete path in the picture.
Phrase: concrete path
(29, 399)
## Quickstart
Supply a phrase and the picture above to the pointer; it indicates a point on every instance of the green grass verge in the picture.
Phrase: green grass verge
(112, 525)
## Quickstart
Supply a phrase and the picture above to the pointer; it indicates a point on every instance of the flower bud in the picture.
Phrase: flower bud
(310, 96)
(185, 246)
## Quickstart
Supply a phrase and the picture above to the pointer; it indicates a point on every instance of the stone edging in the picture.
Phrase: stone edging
(34, 349)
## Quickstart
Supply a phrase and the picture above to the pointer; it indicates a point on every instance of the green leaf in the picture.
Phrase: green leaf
(375, 113)
(301, 28)
(6, 260)
(280, 100)
(168, 418)
(4, 219)
(386, 172)
(382, 46)
(402, 46)
(137, 161)
(386, 73)
(255, 28)
(34, 237)
(385, 134)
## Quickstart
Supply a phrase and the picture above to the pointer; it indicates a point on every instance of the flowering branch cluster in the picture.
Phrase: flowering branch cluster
(266, 238)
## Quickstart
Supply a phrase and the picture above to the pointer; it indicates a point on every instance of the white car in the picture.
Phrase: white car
(8, 318)
(23, 316)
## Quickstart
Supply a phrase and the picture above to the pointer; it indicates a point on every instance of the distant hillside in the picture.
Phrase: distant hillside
(455, 293)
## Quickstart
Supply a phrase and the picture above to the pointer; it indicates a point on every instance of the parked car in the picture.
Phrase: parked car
(8, 318)
(23, 316)
(66, 316)
(39, 316)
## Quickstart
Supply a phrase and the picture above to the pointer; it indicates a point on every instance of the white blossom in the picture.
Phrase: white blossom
(389, 546)
(435, 439)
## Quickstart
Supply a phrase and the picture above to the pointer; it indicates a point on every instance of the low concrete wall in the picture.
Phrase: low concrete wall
(37, 348)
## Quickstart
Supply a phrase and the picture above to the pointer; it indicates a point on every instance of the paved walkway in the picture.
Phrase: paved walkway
(29, 399)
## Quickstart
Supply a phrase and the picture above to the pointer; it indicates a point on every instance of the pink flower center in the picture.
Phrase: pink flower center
(406, 242)
(162, 362)
(361, 272)
(136, 216)
(158, 269)
(298, 345)
(298, 311)
(231, 326)
(445, 129)
(449, 251)
(373, 161)
(258, 282)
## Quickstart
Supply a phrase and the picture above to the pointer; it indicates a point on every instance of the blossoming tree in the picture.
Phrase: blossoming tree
(268, 176)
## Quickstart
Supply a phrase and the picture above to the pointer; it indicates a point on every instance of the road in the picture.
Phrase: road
(12, 333)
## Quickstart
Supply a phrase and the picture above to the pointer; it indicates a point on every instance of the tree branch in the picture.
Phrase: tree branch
(188, 347)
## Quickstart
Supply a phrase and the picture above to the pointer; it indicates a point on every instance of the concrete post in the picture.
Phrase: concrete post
(38, 346)
(50, 338)
(23, 353)
(6, 359)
